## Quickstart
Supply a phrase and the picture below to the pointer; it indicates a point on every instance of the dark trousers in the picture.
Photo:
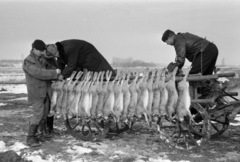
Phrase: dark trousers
(40, 110)
(205, 62)
(47, 104)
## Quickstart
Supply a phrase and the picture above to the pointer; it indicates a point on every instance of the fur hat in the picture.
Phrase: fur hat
(51, 49)
(166, 35)
(39, 45)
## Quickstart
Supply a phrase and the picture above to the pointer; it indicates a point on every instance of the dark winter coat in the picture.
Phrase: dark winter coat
(38, 73)
(78, 54)
(188, 46)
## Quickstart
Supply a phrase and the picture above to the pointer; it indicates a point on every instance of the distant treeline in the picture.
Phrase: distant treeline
(10, 63)
(129, 62)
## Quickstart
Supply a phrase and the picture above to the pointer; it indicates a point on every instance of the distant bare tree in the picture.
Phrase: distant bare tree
(129, 62)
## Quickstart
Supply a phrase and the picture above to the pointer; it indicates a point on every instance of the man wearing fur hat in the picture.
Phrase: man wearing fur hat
(38, 73)
(202, 53)
(77, 55)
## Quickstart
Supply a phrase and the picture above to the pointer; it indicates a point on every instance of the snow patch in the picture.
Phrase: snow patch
(13, 112)
(78, 160)
(21, 88)
(78, 150)
(237, 118)
(223, 79)
(119, 152)
(17, 99)
(196, 155)
(3, 104)
(37, 158)
(159, 159)
(29, 155)
(17, 146)
(2, 146)
(235, 124)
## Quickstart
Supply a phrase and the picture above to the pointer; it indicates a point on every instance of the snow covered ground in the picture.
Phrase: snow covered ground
(12, 88)
(75, 151)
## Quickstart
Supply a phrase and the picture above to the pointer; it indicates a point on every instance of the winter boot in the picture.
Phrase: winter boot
(31, 138)
(43, 136)
(50, 126)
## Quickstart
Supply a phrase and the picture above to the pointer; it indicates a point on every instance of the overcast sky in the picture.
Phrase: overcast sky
(120, 28)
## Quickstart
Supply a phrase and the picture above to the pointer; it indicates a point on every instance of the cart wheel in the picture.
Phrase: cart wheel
(118, 128)
(110, 126)
(102, 129)
(219, 125)
(220, 120)
(76, 132)
(201, 126)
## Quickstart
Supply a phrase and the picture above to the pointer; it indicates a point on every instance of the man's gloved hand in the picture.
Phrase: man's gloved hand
(171, 66)
(58, 71)
(60, 77)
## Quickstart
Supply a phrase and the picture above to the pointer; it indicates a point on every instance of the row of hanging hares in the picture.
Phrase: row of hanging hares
(95, 96)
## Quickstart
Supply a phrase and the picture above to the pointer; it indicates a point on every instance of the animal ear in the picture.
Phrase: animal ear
(171, 66)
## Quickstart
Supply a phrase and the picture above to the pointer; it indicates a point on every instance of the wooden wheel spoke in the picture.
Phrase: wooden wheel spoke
(194, 131)
(215, 127)
(97, 126)
(103, 130)
(76, 134)
(89, 131)
(118, 131)
(220, 125)
(201, 126)
(75, 126)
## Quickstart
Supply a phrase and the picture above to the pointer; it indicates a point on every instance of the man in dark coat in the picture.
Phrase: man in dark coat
(38, 73)
(76, 55)
(202, 53)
